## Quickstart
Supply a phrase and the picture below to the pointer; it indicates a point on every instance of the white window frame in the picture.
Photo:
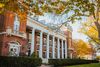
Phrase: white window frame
(16, 24)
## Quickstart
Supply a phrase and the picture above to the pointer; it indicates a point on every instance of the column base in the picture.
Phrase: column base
(44, 60)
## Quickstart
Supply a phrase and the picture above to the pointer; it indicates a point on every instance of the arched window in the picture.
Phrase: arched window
(14, 49)
(16, 24)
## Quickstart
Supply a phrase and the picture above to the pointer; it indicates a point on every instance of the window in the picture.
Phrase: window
(16, 24)
(44, 42)
(38, 40)
(44, 54)
(50, 55)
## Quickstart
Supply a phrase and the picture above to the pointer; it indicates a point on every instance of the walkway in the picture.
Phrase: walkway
(43, 65)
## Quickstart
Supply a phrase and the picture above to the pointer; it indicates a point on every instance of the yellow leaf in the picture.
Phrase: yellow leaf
(1, 5)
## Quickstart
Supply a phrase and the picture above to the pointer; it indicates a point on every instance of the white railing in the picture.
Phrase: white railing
(2, 33)
(9, 31)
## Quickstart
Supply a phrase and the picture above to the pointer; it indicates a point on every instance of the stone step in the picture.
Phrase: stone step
(43, 65)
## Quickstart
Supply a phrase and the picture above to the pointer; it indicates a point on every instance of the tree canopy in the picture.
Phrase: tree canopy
(60, 7)
(82, 48)
(75, 8)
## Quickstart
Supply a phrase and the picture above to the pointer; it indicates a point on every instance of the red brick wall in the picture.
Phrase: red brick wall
(2, 23)
(9, 19)
(23, 23)
(8, 39)
(4, 40)
(1, 30)
(1, 43)
(69, 41)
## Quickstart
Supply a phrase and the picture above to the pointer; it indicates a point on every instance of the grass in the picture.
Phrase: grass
(87, 65)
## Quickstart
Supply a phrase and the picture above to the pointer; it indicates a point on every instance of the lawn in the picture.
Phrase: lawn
(87, 65)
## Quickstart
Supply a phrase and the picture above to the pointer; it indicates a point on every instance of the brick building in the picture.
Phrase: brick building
(12, 33)
(21, 36)
(70, 48)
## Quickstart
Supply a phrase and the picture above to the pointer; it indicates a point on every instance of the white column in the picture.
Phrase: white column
(40, 50)
(62, 50)
(65, 49)
(32, 41)
(58, 49)
(48, 46)
(53, 48)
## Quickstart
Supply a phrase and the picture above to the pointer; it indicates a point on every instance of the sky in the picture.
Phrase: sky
(75, 26)
(77, 35)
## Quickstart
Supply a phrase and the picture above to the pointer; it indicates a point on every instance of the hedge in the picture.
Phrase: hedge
(67, 62)
(19, 61)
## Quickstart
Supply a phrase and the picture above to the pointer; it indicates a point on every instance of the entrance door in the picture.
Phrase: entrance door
(14, 49)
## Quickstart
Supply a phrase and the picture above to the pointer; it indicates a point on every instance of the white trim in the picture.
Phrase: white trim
(14, 42)
(15, 34)
(3, 33)
(34, 24)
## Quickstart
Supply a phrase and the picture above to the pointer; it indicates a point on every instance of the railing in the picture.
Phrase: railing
(9, 31)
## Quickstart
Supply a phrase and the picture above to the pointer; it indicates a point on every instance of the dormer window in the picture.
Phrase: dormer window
(16, 24)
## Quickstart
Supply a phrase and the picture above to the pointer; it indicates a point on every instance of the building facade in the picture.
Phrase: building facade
(20, 38)
(12, 34)
(70, 46)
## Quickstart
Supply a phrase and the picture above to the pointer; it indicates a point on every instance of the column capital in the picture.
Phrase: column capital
(41, 31)
(62, 39)
(48, 33)
(53, 36)
(33, 28)
(58, 38)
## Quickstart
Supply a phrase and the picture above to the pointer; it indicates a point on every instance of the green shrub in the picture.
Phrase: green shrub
(19, 61)
(34, 55)
(67, 62)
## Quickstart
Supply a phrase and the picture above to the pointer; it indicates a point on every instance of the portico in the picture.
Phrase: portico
(46, 42)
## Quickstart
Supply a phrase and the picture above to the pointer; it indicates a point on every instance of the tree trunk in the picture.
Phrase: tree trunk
(98, 29)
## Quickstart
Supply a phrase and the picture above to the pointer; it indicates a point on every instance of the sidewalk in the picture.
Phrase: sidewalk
(43, 65)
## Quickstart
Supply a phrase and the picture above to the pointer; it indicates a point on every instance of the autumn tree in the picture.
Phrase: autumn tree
(90, 8)
(90, 30)
(12, 5)
(76, 8)
(82, 48)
